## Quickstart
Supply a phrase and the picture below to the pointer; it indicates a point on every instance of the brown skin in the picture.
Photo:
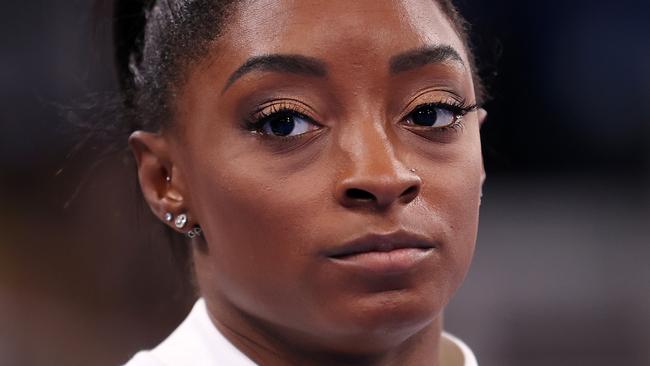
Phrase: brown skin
(269, 206)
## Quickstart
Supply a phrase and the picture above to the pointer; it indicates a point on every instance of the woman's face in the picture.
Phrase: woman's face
(323, 153)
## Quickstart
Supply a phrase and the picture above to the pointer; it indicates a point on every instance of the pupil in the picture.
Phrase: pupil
(283, 126)
(425, 116)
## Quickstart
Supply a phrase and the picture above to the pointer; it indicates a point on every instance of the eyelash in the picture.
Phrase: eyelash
(257, 120)
(458, 108)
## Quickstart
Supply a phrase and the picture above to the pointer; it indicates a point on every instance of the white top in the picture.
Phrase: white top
(197, 342)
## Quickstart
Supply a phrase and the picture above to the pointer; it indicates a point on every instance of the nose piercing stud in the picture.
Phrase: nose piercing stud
(412, 170)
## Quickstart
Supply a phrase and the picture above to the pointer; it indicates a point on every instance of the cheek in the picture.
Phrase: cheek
(263, 220)
(454, 195)
(258, 225)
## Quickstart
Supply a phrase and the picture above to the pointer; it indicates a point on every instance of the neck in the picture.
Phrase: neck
(268, 346)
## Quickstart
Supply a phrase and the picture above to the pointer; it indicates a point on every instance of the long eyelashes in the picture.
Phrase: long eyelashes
(289, 120)
(281, 122)
(438, 117)
(458, 107)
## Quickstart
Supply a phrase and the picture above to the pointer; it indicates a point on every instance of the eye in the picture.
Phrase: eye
(286, 123)
(432, 115)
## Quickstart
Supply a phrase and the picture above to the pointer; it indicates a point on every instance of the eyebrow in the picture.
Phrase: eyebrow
(309, 66)
(419, 57)
(294, 64)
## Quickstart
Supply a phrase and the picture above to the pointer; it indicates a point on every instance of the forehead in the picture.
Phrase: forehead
(336, 30)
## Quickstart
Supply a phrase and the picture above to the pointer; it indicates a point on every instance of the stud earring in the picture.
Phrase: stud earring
(169, 216)
(181, 220)
(168, 179)
(196, 231)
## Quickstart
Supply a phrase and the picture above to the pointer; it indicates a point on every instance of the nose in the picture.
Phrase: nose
(378, 191)
(374, 177)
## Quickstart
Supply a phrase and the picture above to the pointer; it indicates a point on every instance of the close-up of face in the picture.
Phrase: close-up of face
(330, 152)
(299, 182)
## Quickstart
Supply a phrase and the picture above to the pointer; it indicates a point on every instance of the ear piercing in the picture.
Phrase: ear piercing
(196, 231)
(180, 221)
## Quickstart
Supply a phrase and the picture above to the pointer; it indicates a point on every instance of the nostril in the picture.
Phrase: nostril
(359, 194)
(410, 193)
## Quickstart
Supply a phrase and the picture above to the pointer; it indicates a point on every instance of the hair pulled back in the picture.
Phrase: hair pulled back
(156, 40)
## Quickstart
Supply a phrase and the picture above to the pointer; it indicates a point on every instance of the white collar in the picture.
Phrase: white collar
(454, 352)
(198, 342)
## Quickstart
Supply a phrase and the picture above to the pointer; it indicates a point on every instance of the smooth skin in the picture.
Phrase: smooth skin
(270, 206)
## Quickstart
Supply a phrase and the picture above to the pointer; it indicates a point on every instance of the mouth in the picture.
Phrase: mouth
(383, 253)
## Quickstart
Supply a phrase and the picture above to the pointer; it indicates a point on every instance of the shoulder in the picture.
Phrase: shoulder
(196, 342)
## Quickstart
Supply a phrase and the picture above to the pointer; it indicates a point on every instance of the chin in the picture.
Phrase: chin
(381, 321)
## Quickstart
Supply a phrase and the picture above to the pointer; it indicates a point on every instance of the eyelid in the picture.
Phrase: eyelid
(283, 105)
(432, 96)
(267, 111)
(456, 105)
(458, 109)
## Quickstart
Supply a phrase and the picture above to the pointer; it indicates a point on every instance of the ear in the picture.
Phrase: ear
(482, 116)
(160, 181)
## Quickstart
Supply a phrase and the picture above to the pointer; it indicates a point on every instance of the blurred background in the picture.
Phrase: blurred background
(561, 273)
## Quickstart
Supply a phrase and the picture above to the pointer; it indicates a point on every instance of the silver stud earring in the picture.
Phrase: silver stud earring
(169, 216)
(168, 179)
(181, 220)
(196, 231)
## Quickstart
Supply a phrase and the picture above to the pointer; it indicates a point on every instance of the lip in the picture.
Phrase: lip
(383, 253)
